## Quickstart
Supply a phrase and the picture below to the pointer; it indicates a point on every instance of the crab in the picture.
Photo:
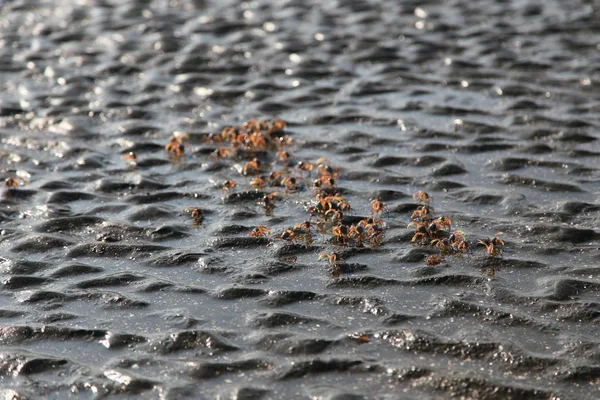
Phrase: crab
(422, 198)
(492, 245)
(287, 235)
(176, 145)
(377, 206)
(259, 231)
(14, 182)
(332, 259)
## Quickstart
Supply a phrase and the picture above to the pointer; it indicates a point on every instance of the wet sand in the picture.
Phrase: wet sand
(110, 289)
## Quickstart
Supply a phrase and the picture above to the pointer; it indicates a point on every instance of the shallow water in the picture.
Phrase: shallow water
(490, 106)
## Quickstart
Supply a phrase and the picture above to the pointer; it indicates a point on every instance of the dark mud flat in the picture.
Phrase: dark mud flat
(490, 106)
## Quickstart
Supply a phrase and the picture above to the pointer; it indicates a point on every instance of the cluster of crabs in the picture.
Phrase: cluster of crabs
(265, 161)
(437, 232)
(262, 146)
(267, 164)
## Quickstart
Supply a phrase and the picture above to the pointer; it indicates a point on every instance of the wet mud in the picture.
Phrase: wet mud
(110, 287)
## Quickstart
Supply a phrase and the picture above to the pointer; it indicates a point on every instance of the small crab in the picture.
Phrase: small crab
(228, 185)
(492, 245)
(287, 235)
(283, 155)
(371, 226)
(340, 233)
(377, 207)
(344, 206)
(432, 229)
(458, 242)
(360, 338)
(305, 166)
(322, 182)
(267, 200)
(335, 215)
(289, 184)
(323, 203)
(252, 167)
(422, 214)
(457, 235)
(221, 152)
(256, 141)
(376, 239)
(14, 182)
(285, 141)
(277, 126)
(445, 245)
(303, 226)
(130, 158)
(259, 231)
(444, 222)
(229, 134)
(259, 182)
(434, 260)
(176, 145)
(421, 232)
(275, 178)
(442, 244)
(212, 138)
(196, 214)
(327, 170)
(422, 198)
(332, 259)
(357, 232)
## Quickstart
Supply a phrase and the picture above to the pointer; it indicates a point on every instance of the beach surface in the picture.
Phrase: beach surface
(110, 288)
